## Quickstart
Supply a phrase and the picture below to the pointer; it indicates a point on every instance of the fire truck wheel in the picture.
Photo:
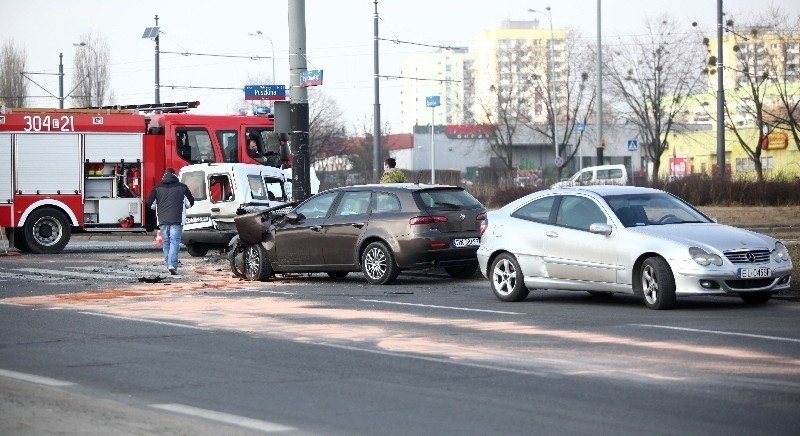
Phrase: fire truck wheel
(256, 263)
(47, 231)
(197, 250)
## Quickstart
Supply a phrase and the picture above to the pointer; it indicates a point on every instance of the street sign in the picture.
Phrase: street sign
(265, 92)
(559, 161)
(432, 101)
(633, 145)
(580, 127)
(311, 78)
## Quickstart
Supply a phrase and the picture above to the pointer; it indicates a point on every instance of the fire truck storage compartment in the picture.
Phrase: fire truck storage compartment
(111, 210)
(5, 169)
(48, 163)
(112, 167)
(109, 147)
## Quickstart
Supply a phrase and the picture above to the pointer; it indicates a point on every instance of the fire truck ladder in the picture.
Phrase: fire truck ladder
(172, 108)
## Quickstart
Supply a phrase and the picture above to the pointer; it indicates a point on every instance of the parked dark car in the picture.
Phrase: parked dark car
(380, 230)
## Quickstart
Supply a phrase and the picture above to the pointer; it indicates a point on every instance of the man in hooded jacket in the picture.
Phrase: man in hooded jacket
(171, 198)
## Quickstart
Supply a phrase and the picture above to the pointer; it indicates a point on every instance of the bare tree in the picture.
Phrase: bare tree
(13, 86)
(91, 72)
(327, 131)
(653, 75)
(575, 96)
(784, 72)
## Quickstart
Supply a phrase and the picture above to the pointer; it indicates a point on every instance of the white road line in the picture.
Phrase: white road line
(151, 321)
(443, 307)
(34, 378)
(19, 276)
(227, 418)
(716, 332)
(70, 274)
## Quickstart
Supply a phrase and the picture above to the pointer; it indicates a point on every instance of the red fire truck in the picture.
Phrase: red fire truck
(90, 170)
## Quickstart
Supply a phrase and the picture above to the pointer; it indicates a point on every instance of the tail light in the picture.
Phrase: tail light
(428, 219)
(484, 224)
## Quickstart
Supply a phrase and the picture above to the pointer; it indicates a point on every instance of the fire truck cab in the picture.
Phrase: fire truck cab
(90, 170)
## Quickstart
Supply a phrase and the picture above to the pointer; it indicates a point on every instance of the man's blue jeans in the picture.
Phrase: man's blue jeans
(171, 233)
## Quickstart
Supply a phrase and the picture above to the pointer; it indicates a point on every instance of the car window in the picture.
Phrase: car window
(446, 199)
(384, 202)
(317, 207)
(579, 212)
(586, 176)
(653, 209)
(353, 203)
(615, 173)
(537, 210)
(196, 182)
(220, 188)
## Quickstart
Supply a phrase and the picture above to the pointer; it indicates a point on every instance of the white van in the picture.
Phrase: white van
(599, 175)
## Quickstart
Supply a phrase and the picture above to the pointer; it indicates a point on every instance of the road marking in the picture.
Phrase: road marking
(34, 378)
(716, 332)
(466, 309)
(71, 274)
(227, 418)
(133, 273)
(151, 321)
(19, 276)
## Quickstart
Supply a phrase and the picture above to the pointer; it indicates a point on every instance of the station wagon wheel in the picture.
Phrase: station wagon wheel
(337, 274)
(506, 276)
(197, 250)
(461, 272)
(377, 263)
(657, 284)
(256, 263)
(755, 297)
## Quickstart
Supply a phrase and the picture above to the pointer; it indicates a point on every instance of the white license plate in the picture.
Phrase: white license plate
(466, 242)
(196, 219)
(753, 273)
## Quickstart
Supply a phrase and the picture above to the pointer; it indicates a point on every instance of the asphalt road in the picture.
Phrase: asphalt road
(85, 347)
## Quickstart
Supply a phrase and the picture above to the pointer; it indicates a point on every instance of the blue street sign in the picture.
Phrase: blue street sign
(311, 78)
(432, 101)
(265, 92)
(580, 127)
(633, 145)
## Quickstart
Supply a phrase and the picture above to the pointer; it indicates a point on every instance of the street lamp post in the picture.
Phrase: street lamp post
(272, 48)
(552, 75)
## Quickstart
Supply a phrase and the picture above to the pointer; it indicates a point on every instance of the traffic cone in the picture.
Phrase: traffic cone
(159, 242)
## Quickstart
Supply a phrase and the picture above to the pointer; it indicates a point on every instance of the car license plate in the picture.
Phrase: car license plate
(466, 242)
(753, 273)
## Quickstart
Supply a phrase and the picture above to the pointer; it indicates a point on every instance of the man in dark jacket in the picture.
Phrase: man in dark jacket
(171, 198)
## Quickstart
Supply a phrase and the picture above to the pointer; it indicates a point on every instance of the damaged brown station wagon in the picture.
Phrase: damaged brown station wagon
(380, 230)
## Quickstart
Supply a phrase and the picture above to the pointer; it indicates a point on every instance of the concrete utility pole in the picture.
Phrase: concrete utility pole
(298, 101)
(376, 139)
(601, 142)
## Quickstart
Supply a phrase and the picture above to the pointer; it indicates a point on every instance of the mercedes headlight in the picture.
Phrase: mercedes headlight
(780, 253)
(703, 258)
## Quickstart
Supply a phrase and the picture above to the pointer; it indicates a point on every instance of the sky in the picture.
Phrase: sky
(339, 41)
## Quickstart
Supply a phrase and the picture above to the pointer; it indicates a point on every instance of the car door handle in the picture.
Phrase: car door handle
(214, 209)
(357, 225)
(315, 228)
(552, 234)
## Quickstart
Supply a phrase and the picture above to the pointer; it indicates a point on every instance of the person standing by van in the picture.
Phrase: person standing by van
(170, 199)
